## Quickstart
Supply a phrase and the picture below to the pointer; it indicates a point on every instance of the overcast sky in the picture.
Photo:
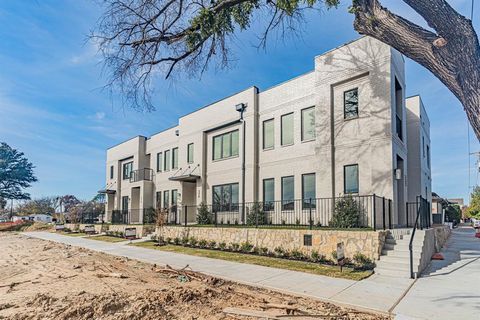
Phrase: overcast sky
(52, 107)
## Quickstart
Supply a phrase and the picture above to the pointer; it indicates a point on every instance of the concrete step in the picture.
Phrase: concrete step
(399, 259)
(390, 246)
(391, 272)
(400, 254)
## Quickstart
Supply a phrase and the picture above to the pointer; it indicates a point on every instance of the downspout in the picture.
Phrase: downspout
(243, 164)
(332, 144)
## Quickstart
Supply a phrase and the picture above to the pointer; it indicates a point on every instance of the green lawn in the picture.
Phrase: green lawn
(309, 267)
(107, 238)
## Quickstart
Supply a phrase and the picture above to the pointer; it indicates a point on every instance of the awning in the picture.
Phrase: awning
(106, 191)
(185, 178)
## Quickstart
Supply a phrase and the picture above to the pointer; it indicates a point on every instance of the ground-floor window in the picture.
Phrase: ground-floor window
(308, 190)
(350, 178)
(166, 199)
(268, 194)
(125, 203)
(174, 197)
(158, 199)
(225, 197)
(288, 193)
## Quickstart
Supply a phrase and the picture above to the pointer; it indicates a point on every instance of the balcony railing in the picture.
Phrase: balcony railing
(145, 174)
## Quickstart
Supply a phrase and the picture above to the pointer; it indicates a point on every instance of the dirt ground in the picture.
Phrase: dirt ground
(45, 280)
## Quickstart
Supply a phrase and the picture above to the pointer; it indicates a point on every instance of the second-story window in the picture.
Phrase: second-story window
(428, 156)
(350, 104)
(159, 161)
(225, 145)
(111, 172)
(127, 170)
(190, 153)
(287, 129)
(268, 134)
(166, 160)
(308, 124)
(175, 158)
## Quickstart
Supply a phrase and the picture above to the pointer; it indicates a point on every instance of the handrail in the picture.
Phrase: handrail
(410, 244)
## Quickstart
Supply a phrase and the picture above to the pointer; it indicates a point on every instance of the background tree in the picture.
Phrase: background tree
(143, 38)
(16, 173)
(473, 210)
(453, 213)
(45, 205)
(3, 203)
(64, 203)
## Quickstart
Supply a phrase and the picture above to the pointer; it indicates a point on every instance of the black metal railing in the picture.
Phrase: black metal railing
(91, 218)
(422, 220)
(142, 216)
(141, 174)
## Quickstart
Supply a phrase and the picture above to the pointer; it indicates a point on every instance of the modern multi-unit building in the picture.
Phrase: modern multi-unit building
(343, 128)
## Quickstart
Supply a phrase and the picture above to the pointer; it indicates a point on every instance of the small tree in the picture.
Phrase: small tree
(204, 216)
(453, 213)
(256, 215)
(346, 213)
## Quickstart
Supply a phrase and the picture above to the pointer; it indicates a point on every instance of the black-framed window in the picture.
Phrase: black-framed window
(308, 190)
(159, 161)
(111, 172)
(350, 179)
(225, 197)
(158, 200)
(175, 158)
(287, 127)
(268, 194)
(127, 170)
(288, 193)
(308, 124)
(428, 156)
(166, 199)
(350, 104)
(190, 153)
(398, 109)
(174, 197)
(125, 203)
(225, 145)
(166, 160)
(268, 134)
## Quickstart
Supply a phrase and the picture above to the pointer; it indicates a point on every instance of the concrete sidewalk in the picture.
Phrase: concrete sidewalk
(376, 293)
(450, 288)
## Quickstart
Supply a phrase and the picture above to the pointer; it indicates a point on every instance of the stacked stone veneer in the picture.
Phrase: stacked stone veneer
(369, 243)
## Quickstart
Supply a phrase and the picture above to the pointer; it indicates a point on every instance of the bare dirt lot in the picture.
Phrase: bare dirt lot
(45, 280)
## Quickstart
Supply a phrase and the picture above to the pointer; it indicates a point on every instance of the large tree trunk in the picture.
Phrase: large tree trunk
(451, 53)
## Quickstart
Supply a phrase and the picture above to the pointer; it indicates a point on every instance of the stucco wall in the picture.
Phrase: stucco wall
(369, 243)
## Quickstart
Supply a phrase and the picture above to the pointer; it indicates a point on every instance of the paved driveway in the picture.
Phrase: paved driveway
(450, 288)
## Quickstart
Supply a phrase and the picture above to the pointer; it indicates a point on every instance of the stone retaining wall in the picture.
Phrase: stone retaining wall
(142, 230)
(369, 243)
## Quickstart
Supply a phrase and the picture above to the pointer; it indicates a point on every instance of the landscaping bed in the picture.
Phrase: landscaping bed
(107, 238)
(247, 253)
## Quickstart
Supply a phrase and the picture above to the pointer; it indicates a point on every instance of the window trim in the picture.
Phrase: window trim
(159, 163)
(345, 178)
(233, 206)
(281, 129)
(301, 125)
(263, 134)
(174, 166)
(158, 199)
(281, 196)
(166, 192)
(165, 162)
(188, 152)
(358, 104)
(303, 190)
(221, 145)
(123, 170)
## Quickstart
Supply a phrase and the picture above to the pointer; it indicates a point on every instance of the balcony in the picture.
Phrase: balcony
(145, 174)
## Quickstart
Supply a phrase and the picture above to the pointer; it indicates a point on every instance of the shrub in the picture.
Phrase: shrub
(212, 244)
(168, 240)
(202, 243)
(234, 246)
(192, 241)
(153, 237)
(319, 224)
(203, 214)
(279, 252)
(284, 222)
(315, 256)
(334, 255)
(246, 247)
(297, 254)
(236, 221)
(256, 215)
(222, 245)
(362, 261)
(176, 240)
(263, 251)
(297, 222)
(346, 213)
(185, 241)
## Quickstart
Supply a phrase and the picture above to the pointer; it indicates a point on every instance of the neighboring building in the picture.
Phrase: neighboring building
(339, 129)
(46, 218)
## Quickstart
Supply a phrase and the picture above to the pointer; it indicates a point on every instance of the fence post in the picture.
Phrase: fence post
(215, 216)
(310, 221)
(185, 215)
(374, 213)
(383, 212)
(390, 213)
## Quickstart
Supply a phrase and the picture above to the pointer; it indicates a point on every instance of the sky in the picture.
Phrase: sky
(53, 108)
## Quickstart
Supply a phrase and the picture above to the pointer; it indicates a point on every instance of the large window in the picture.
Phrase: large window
(190, 153)
(308, 124)
(287, 129)
(268, 193)
(308, 190)
(166, 199)
(158, 199)
(159, 161)
(350, 104)
(288, 193)
(127, 170)
(225, 145)
(175, 158)
(350, 176)
(166, 160)
(125, 203)
(225, 197)
(111, 172)
(268, 134)
(174, 197)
